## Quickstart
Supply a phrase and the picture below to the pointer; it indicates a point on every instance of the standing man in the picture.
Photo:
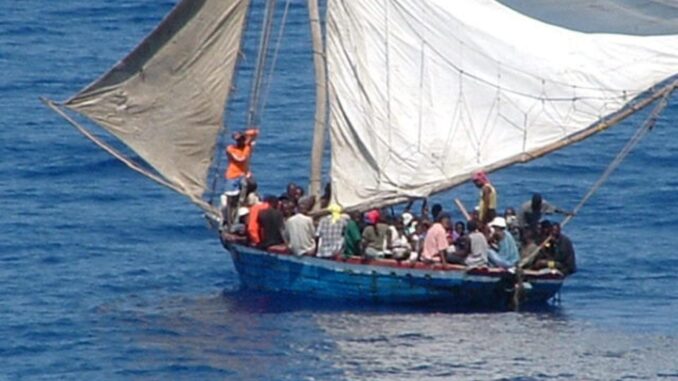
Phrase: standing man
(487, 206)
(531, 212)
(238, 171)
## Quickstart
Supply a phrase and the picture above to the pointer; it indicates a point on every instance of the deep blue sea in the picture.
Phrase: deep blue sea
(106, 276)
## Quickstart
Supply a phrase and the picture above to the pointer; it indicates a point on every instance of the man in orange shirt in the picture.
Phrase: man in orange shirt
(253, 226)
(238, 172)
(239, 154)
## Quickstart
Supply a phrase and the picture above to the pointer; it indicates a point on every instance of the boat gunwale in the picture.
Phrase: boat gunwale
(403, 268)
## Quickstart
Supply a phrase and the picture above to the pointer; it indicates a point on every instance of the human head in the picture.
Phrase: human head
(475, 214)
(407, 218)
(499, 225)
(239, 138)
(287, 207)
(251, 185)
(459, 227)
(271, 200)
(471, 226)
(444, 219)
(291, 189)
(509, 212)
(243, 214)
(283, 197)
(435, 211)
(545, 228)
(372, 217)
(422, 226)
(480, 178)
(335, 210)
(298, 193)
(536, 202)
(555, 230)
(306, 204)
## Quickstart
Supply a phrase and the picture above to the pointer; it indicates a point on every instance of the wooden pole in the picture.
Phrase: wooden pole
(320, 101)
(462, 209)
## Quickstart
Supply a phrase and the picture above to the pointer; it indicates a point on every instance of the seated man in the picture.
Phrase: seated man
(375, 235)
(477, 256)
(300, 229)
(399, 245)
(330, 233)
(504, 250)
(352, 235)
(272, 226)
(558, 253)
(436, 245)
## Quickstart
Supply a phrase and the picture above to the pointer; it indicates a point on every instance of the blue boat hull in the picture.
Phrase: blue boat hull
(384, 281)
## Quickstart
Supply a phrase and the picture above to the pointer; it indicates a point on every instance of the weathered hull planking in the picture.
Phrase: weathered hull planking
(386, 281)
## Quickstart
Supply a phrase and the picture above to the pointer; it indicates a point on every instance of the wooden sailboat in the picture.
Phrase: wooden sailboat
(421, 94)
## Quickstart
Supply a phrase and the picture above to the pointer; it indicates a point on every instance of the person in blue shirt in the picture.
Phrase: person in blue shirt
(504, 250)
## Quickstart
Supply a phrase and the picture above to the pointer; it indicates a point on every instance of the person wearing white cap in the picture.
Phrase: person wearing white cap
(409, 223)
(503, 251)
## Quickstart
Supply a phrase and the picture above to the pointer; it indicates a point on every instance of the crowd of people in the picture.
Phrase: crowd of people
(285, 223)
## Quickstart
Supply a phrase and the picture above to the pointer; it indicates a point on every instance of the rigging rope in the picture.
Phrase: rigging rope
(635, 139)
(274, 59)
(646, 127)
(255, 106)
(253, 117)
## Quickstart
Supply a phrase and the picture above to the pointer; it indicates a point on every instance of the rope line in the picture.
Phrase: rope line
(274, 59)
(257, 81)
(646, 127)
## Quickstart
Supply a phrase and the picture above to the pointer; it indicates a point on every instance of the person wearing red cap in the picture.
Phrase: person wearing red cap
(487, 206)
(375, 235)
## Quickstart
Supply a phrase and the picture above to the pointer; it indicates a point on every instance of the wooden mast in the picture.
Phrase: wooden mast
(320, 100)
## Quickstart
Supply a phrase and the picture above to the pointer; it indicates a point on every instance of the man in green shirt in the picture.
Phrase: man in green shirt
(352, 236)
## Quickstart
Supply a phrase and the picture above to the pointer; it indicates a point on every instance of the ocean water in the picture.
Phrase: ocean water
(106, 276)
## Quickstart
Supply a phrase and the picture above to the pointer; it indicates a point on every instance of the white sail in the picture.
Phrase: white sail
(424, 92)
(167, 98)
